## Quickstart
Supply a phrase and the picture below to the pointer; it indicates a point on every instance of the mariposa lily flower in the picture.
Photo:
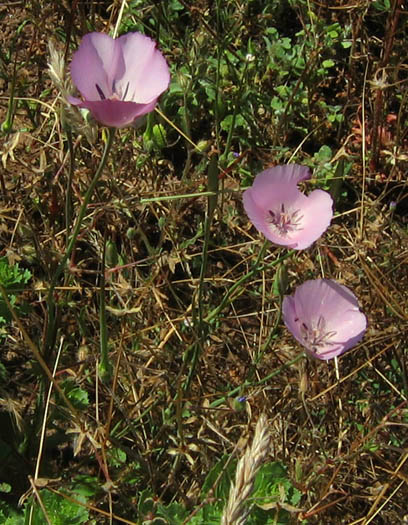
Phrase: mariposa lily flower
(119, 79)
(279, 210)
(324, 317)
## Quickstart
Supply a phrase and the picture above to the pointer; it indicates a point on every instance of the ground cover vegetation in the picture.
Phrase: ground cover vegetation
(203, 308)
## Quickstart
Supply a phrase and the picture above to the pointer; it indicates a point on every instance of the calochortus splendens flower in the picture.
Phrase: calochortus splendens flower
(285, 215)
(119, 79)
(324, 317)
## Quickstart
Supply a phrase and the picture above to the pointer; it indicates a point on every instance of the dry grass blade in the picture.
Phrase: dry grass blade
(374, 276)
(236, 511)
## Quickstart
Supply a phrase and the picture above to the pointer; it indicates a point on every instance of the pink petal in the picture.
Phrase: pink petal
(116, 113)
(268, 191)
(327, 353)
(147, 72)
(336, 304)
(75, 101)
(318, 213)
(288, 173)
(351, 329)
(328, 297)
(96, 62)
(258, 213)
(291, 317)
(278, 186)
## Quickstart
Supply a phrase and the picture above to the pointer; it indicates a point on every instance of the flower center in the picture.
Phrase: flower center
(318, 337)
(284, 221)
(116, 93)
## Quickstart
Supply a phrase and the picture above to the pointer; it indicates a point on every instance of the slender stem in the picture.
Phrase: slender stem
(244, 278)
(193, 355)
(212, 188)
(105, 367)
(68, 196)
(39, 357)
(237, 107)
(217, 80)
(51, 328)
(7, 125)
(176, 197)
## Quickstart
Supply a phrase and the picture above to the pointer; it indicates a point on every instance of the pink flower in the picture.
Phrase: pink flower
(119, 79)
(324, 317)
(284, 214)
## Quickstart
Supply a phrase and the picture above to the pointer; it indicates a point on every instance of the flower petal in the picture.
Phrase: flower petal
(116, 113)
(291, 317)
(302, 220)
(257, 205)
(331, 311)
(288, 173)
(317, 212)
(351, 329)
(146, 73)
(327, 352)
(95, 63)
(268, 190)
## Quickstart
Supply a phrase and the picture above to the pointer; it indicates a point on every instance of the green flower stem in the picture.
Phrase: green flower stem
(68, 196)
(105, 366)
(193, 353)
(177, 197)
(237, 107)
(213, 182)
(51, 328)
(7, 125)
(210, 317)
(271, 335)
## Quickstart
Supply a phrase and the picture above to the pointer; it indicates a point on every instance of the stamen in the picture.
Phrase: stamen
(285, 221)
(317, 339)
(99, 90)
(126, 90)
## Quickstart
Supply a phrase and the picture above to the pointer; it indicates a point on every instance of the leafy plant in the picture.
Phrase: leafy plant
(12, 279)
(272, 488)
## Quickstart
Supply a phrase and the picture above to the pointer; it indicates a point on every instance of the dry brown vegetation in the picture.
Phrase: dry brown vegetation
(340, 428)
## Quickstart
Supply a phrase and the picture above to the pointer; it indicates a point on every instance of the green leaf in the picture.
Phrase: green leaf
(5, 487)
(59, 510)
(227, 122)
(222, 488)
(324, 154)
(259, 516)
(117, 457)
(145, 504)
(273, 485)
(210, 514)
(8, 516)
(174, 513)
(86, 486)
(12, 277)
(75, 394)
(328, 63)
(159, 135)
(3, 371)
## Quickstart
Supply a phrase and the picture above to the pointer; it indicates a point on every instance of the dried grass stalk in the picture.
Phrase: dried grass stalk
(71, 114)
(237, 509)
